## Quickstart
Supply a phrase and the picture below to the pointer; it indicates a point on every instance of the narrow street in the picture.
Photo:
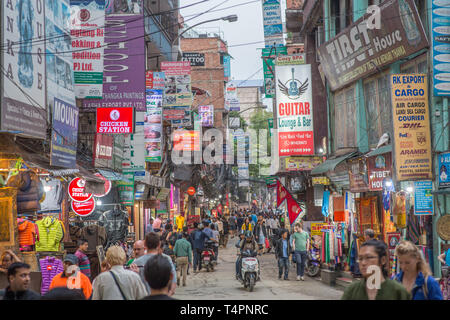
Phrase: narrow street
(222, 284)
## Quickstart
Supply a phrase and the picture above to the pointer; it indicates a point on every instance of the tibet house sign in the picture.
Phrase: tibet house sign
(115, 120)
(360, 49)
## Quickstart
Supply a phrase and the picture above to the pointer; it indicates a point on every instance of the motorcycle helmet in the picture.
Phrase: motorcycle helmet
(248, 234)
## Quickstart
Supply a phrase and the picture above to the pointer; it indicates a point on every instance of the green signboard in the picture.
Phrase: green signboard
(126, 188)
(270, 121)
(269, 84)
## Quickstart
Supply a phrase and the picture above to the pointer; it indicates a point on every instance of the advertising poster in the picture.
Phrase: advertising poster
(243, 175)
(273, 25)
(177, 91)
(269, 56)
(379, 169)
(358, 51)
(423, 198)
(155, 80)
(63, 148)
(186, 140)
(196, 59)
(134, 149)
(444, 170)
(207, 115)
(87, 21)
(302, 163)
(294, 110)
(126, 189)
(153, 126)
(440, 16)
(115, 120)
(411, 126)
(226, 66)
(124, 64)
(23, 68)
(232, 102)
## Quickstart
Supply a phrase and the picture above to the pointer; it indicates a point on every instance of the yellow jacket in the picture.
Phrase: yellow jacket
(179, 222)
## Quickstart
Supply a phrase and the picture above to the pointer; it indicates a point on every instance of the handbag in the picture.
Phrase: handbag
(118, 285)
(267, 243)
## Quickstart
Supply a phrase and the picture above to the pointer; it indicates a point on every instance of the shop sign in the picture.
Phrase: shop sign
(207, 115)
(294, 110)
(186, 140)
(271, 182)
(177, 90)
(232, 102)
(440, 14)
(294, 4)
(273, 26)
(134, 150)
(153, 126)
(357, 174)
(423, 198)
(318, 227)
(359, 51)
(103, 149)
(411, 123)
(154, 181)
(191, 191)
(115, 120)
(196, 59)
(87, 22)
(393, 238)
(126, 189)
(83, 208)
(298, 58)
(321, 181)
(302, 163)
(444, 170)
(76, 187)
(155, 80)
(108, 186)
(379, 169)
(162, 195)
(269, 55)
(234, 123)
(226, 66)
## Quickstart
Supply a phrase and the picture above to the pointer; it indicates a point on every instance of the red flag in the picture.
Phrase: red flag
(294, 209)
(281, 193)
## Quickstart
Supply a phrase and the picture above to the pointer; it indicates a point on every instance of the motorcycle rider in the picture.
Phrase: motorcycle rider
(247, 243)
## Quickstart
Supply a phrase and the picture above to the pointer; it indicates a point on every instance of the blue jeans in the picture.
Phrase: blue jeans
(300, 258)
(197, 259)
(238, 265)
(283, 263)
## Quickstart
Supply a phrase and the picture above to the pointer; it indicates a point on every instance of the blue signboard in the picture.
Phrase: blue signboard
(227, 66)
(423, 199)
(441, 47)
(273, 25)
(64, 134)
(444, 170)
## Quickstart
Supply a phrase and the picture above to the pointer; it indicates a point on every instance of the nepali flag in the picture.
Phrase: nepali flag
(294, 209)
(281, 193)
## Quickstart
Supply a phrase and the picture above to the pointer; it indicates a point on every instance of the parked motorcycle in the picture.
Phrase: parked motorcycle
(249, 270)
(313, 261)
(208, 257)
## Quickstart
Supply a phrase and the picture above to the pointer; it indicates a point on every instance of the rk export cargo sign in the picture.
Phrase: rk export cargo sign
(115, 120)
(294, 110)
(359, 51)
(411, 126)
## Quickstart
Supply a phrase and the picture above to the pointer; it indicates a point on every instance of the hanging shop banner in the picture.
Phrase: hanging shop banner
(108, 186)
(115, 120)
(103, 147)
(269, 55)
(358, 51)
(124, 64)
(63, 148)
(444, 170)
(155, 80)
(119, 141)
(177, 91)
(317, 228)
(294, 110)
(440, 16)
(358, 176)
(379, 168)
(87, 21)
(232, 102)
(84, 209)
(186, 121)
(273, 25)
(75, 190)
(23, 69)
(411, 126)
(226, 66)
(321, 181)
(207, 115)
(302, 163)
(126, 189)
(175, 112)
(194, 58)
(186, 140)
(423, 198)
(153, 126)
(243, 175)
(298, 58)
(134, 150)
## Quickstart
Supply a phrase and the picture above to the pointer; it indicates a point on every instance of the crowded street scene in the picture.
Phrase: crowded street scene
(224, 150)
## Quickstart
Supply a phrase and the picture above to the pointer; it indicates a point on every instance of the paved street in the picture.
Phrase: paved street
(222, 284)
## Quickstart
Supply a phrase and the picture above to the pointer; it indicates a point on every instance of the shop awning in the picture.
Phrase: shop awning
(381, 150)
(330, 164)
(110, 175)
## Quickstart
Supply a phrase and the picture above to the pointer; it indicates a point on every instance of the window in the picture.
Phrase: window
(345, 118)
(422, 10)
(377, 100)
(417, 65)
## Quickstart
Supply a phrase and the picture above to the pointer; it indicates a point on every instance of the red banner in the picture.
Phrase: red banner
(281, 193)
(297, 143)
(294, 209)
(115, 120)
(103, 147)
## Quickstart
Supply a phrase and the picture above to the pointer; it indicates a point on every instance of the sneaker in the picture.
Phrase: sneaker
(303, 278)
(298, 278)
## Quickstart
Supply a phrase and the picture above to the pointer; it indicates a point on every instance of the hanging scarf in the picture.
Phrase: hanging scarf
(413, 232)
(326, 203)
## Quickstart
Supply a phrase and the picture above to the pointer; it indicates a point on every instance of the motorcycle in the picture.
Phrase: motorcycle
(249, 270)
(208, 256)
(313, 261)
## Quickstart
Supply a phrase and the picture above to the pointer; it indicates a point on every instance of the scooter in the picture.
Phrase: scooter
(249, 270)
(313, 261)
(208, 256)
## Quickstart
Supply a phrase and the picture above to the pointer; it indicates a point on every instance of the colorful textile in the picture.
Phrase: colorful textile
(27, 232)
(50, 267)
(50, 234)
(81, 282)
(326, 203)
(412, 232)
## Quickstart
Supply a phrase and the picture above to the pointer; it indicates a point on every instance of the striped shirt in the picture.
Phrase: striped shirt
(83, 263)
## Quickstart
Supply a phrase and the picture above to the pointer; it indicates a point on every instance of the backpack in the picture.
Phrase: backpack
(173, 238)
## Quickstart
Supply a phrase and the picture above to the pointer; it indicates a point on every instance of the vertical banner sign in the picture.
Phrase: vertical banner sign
(232, 102)
(226, 66)
(379, 168)
(207, 115)
(423, 198)
(269, 56)
(243, 175)
(155, 80)
(273, 26)
(23, 68)
(103, 151)
(134, 150)
(124, 64)
(411, 126)
(153, 126)
(178, 83)
(444, 170)
(63, 149)
(87, 19)
(126, 189)
(294, 110)
(440, 16)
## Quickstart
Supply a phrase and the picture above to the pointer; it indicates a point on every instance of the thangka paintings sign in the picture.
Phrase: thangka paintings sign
(23, 68)
(207, 115)
(177, 90)
(87, 21)
(294, 110)
(153, 126)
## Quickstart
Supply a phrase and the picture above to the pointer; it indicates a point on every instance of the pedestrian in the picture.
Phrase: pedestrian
(183, 256)
(61, 293)
(300, 244)
(83, 260)
(232, 223)
(239, 222)
(247, 226)
(19, 281)
(159, 278)
(179, 222)
(282, 251)
(215, 237)
(153, 247)
(226, 231)
(372, 256)
(444, 258)
(415, 273)
(369, 234)
(254, 219)
(138, 251)
(117, 283)
(8, 258)
(199, 237)
(72, 278)
(157, 224)
(219, 227)
(260, 235)
(149, 226)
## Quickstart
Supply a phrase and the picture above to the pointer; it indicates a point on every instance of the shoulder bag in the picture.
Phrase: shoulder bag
(118, 285)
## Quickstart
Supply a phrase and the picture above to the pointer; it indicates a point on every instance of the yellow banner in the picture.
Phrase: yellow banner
(302, 163)
(411, 126)
(321, 180)
(317, 227)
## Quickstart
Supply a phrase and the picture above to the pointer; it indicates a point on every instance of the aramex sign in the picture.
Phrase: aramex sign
(358, 51)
